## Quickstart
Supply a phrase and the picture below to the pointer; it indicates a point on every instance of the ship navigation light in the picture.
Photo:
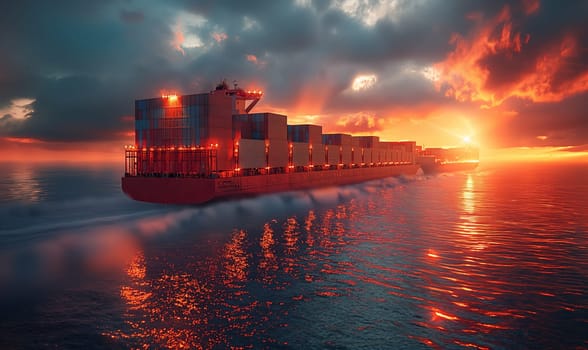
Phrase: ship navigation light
(170, 97)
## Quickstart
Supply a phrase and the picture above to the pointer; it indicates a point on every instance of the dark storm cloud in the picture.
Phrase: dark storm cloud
(80, 63)
(324, 48)
(132, 16)
(84, 62)
(545, 124)
(545, 31)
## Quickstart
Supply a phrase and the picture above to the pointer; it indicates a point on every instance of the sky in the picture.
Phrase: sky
(508, 75)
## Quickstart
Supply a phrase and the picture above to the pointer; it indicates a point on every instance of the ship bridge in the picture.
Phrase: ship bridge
(240, 97)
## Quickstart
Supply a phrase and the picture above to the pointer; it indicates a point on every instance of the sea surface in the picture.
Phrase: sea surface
(495, 258)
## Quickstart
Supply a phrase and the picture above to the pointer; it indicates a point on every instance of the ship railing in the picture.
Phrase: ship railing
(170, 162)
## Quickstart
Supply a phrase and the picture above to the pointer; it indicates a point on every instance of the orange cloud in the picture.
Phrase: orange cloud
(219, 37)
(495, 64)
(530, 6)
(178, 41)
(359, 123)
(253, 59)
(23, 149)
(26, 140)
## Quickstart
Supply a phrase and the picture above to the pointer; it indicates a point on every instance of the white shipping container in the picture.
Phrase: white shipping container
(383, 155)
(356, 155)
(300, 154)
(332, 154)
(375, 155)
(346, 154)
(278, 153)
(277, 127)
(367, 155)
(251, 154)
(318, 154)
(396, 155)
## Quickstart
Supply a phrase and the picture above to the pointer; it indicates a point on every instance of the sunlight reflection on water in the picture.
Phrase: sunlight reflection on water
(24, 185)
(481, 259)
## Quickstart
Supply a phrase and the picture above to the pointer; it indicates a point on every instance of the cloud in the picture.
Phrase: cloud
(560, 126)
(504, 57)
(85, 64)
(359, 123)
(132, 16)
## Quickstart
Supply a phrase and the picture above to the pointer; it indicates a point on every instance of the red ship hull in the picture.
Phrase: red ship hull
(189, 190)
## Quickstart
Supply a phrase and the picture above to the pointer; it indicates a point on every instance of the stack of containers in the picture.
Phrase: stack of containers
(453, 154)
(369, 146)
(250, 150)
(357, 152)
(298, 137)
(168, 126)
(219, 127)
(411, 151)
(250, 154)
(338, 147)
(385, 152)
(160, 122)
(403, 152)
(262, 140)
(307, 144)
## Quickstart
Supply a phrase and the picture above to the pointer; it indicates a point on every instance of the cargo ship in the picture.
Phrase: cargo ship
(443, 160)
(193, 149)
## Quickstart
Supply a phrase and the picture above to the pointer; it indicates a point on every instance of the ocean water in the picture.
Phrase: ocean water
(496, 258)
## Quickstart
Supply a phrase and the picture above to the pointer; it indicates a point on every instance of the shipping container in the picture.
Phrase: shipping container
(402, 151)
(337, 139)
(452, 154)
(346, 154)
(388, 153)
(251, 154)
(277, 153)
(180, 121)
(376, 158)
(186, 121)
(260, 126)
(396, 155)
(356, 155)
(333, 153)
(300, 154)
(366, 141)
(318, 154)
(305, 133)
(368, 156)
